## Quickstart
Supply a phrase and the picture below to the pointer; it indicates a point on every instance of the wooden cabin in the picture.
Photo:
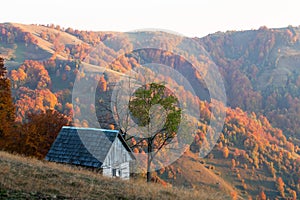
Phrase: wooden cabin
(91, 147)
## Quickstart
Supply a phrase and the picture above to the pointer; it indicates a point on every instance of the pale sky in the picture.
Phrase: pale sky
(190, 18)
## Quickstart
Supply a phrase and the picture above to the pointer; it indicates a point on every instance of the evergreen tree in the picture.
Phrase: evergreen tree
(7, 109)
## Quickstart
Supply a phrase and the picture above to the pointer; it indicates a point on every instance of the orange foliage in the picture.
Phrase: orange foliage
(280, 186)
(102, 84)
(225, 152)
(262, 196)
(35, 137)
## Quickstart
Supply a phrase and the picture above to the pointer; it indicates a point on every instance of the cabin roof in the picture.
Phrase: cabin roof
(83, 146)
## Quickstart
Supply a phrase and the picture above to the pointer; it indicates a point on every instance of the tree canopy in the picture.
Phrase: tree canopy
(7, 109)
(156, 109)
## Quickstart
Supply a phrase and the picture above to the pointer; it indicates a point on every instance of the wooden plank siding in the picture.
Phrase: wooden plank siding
(117, 160)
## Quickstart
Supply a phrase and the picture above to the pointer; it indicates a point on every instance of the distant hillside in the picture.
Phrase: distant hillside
(260, 67)
(262, 72)
(259, 144)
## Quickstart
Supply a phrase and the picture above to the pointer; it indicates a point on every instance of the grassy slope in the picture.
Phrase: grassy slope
(32, 179)
(199, 175)
(65, 38)
(254, 180)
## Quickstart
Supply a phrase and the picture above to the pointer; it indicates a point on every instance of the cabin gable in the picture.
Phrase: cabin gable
(116, 163)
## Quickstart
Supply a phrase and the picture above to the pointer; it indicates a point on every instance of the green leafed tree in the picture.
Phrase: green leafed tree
(7, 109)
(155, 109)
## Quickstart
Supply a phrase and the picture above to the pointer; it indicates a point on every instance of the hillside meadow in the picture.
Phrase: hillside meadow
(28, 178)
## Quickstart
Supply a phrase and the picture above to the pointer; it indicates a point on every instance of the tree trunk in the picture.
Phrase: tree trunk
(148, 176)
(149, 162)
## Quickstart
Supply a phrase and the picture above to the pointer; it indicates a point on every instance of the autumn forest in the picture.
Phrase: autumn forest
(257, 155)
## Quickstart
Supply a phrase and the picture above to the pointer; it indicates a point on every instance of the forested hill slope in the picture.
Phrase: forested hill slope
(260, 67)
(259, 144)
(262, 72)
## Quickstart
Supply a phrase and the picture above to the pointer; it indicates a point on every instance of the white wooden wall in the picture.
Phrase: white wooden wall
(117, 158)
(125, 170)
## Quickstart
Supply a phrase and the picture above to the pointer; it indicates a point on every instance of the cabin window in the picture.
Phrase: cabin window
(114, 172)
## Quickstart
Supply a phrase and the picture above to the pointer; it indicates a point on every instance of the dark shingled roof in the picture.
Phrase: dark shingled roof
(82, 146)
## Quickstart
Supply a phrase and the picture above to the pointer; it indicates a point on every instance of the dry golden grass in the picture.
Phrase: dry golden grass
(65, 38)
(197, 174)
(30, 177)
